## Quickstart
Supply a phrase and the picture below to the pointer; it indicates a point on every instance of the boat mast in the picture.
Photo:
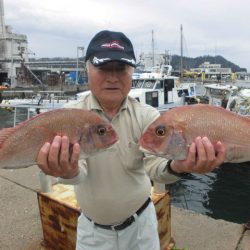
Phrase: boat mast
(2, 32)
(153, 49)
(181, 58)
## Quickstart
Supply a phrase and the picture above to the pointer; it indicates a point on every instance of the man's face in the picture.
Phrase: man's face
(111, 82)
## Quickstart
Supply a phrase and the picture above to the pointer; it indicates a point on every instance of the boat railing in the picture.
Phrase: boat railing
(35, 109)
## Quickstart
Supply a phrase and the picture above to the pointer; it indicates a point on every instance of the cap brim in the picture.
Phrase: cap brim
(103, 58)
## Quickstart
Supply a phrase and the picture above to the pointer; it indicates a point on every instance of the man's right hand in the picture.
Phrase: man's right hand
(56, 159)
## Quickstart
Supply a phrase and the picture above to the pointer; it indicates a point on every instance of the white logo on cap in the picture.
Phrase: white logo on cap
(96, 60)
(112, 45)
(132, 61)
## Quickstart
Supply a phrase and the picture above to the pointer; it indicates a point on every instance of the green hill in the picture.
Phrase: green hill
(189, 63)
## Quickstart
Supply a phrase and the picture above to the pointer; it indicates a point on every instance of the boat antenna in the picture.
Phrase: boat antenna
(153, 49)
(181, 58)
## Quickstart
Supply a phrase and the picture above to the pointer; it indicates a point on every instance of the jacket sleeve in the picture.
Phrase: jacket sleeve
(156, 169)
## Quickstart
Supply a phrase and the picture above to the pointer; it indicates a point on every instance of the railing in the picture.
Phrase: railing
(30, 108)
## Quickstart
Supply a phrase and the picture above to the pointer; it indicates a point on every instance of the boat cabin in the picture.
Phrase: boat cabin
(219, 95)
(158, 92)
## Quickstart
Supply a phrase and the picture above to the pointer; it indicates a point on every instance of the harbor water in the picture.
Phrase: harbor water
(222, 194)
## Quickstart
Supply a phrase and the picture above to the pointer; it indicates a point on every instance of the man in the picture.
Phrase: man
(113, 187)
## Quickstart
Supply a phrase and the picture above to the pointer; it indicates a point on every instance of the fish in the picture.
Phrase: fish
(171, 134)
(19, 146)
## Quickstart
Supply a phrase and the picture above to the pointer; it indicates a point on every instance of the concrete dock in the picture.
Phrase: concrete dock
(21, 229)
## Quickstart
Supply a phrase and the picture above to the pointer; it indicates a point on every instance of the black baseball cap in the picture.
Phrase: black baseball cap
(107, 46)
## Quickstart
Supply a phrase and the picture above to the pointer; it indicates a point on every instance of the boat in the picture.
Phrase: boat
(240, 102)
(39, 102)
(161, 90)
(229, 97)
(219, 95)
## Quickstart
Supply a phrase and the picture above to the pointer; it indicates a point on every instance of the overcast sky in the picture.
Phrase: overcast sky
(210, 27)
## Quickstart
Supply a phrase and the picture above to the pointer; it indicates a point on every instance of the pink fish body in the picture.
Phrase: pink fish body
(20, 145)
(171, 134)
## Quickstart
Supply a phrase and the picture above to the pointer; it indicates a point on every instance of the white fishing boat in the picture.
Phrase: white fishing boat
(161, 90)
(40, 102)
(229, 97)
(219, 95)
(240, 103)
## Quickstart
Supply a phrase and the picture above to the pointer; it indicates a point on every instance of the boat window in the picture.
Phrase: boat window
(149, 84)
(165, 70)
(152, 98)
(234, 93)
(192, 90)
(218, 92)
(159, 85)
(182, 92)
(137, 83)
(168, 84)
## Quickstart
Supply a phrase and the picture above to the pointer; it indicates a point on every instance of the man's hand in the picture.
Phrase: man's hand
(203, 157)
(55, 159)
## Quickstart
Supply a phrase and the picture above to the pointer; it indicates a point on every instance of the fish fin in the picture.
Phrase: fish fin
(5, 133)
(27, 165)
(236, 153)
(177, 145)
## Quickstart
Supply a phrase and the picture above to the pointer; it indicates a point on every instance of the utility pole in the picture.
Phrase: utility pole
(2, 22)
(77, 62)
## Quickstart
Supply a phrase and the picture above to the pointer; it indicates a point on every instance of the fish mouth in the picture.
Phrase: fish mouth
(112, 143)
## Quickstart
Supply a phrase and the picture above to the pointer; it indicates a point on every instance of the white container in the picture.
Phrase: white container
(159, 188)
(45, 182)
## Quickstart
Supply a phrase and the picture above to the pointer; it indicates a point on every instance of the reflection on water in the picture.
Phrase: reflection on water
(222, 194)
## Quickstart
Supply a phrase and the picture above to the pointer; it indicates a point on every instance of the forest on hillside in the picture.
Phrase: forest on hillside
(189, 63)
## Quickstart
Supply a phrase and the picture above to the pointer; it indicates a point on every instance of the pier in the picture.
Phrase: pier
(21, 225)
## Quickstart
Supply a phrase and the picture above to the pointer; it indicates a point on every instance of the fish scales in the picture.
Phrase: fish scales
(203, 118)
(183, 124)
(19, 146)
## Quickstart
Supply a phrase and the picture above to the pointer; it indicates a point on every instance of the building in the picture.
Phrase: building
(213, 71)
(150, 61)
(13, 52)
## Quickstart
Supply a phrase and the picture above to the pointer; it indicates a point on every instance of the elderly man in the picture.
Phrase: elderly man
(113, 187)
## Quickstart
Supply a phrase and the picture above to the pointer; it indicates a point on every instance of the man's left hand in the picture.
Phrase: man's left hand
(202, 157)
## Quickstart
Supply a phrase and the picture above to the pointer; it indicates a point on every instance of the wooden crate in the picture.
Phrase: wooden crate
(59, 212)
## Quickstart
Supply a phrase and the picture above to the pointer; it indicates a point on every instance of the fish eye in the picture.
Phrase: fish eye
(101, 130)
(160, 130)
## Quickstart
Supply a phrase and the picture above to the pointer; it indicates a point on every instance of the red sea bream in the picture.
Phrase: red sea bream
(20, 145)
(171, 134)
